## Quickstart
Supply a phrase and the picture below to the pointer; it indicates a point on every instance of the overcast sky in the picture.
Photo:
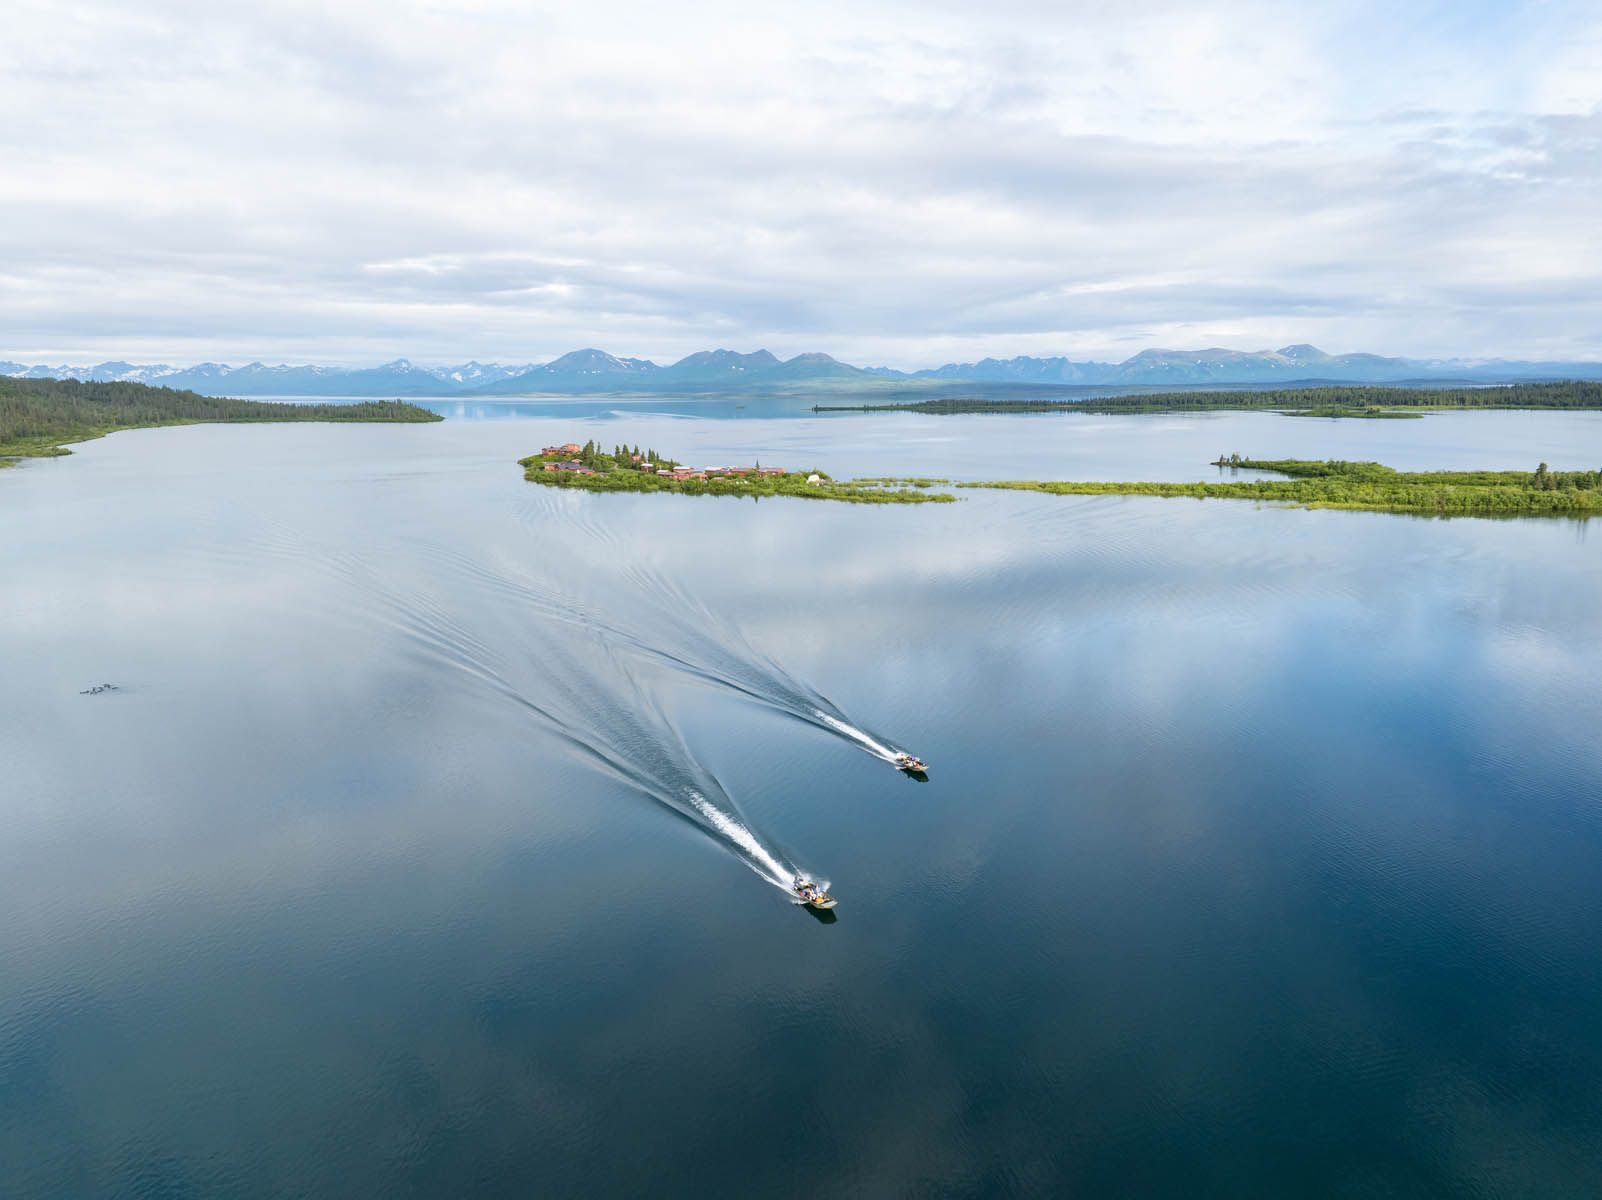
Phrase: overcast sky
(903, 183)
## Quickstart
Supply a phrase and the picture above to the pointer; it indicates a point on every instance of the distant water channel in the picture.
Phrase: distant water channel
(433, 840)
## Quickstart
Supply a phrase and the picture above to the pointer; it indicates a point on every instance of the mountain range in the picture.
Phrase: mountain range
(597, 372)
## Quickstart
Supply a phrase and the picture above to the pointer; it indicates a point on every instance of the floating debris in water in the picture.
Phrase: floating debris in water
(98, 688)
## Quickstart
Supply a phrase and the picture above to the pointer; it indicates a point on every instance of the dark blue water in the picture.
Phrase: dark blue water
(429, 843)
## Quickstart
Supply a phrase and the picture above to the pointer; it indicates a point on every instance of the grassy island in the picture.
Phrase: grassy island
(1374, 401)
(631, 469)
(38, 415)
(1371, 487)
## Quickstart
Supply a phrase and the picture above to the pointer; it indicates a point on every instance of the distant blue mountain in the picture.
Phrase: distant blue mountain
(704, 371)
(1023, 370)
(593, 371)
(580, 370)
(1289, 364)
(1262, 366)
(257, 379)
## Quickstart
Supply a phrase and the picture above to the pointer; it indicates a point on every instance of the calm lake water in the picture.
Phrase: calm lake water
(429, 843)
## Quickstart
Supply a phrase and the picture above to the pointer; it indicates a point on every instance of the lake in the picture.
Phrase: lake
(431, 842)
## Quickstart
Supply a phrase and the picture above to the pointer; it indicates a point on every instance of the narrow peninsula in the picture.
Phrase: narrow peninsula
(631, 469)
(38, 415)
(1370, 487)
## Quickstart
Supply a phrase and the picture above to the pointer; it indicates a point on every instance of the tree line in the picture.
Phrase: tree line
(35, 414)
(1566, 393)
(1342, 400)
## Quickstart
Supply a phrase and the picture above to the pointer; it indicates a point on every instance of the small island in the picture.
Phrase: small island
(631, 469)
(38, 415)
(1361, 486)
(1370, 487)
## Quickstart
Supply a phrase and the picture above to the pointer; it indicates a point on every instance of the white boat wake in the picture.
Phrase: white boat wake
(866, 740)
(688, 637)
(758, 855)
(606, 717)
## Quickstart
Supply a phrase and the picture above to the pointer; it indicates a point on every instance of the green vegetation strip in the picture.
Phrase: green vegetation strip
(1371, 487)
(630, 469)
(38, 415)
(1366, 401)
(1363, 486)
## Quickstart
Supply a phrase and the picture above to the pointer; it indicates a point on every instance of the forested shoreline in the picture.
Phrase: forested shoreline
(37, 416)
(1343, 401)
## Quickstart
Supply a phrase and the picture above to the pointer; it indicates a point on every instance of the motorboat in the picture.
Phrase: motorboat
(811, 894)
(913, 766)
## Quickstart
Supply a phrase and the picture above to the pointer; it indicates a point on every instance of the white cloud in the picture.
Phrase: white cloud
(889, 182)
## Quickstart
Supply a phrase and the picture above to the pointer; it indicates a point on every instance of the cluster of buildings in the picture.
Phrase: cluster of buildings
(567, 453)
(715, 472)
(566, 450)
